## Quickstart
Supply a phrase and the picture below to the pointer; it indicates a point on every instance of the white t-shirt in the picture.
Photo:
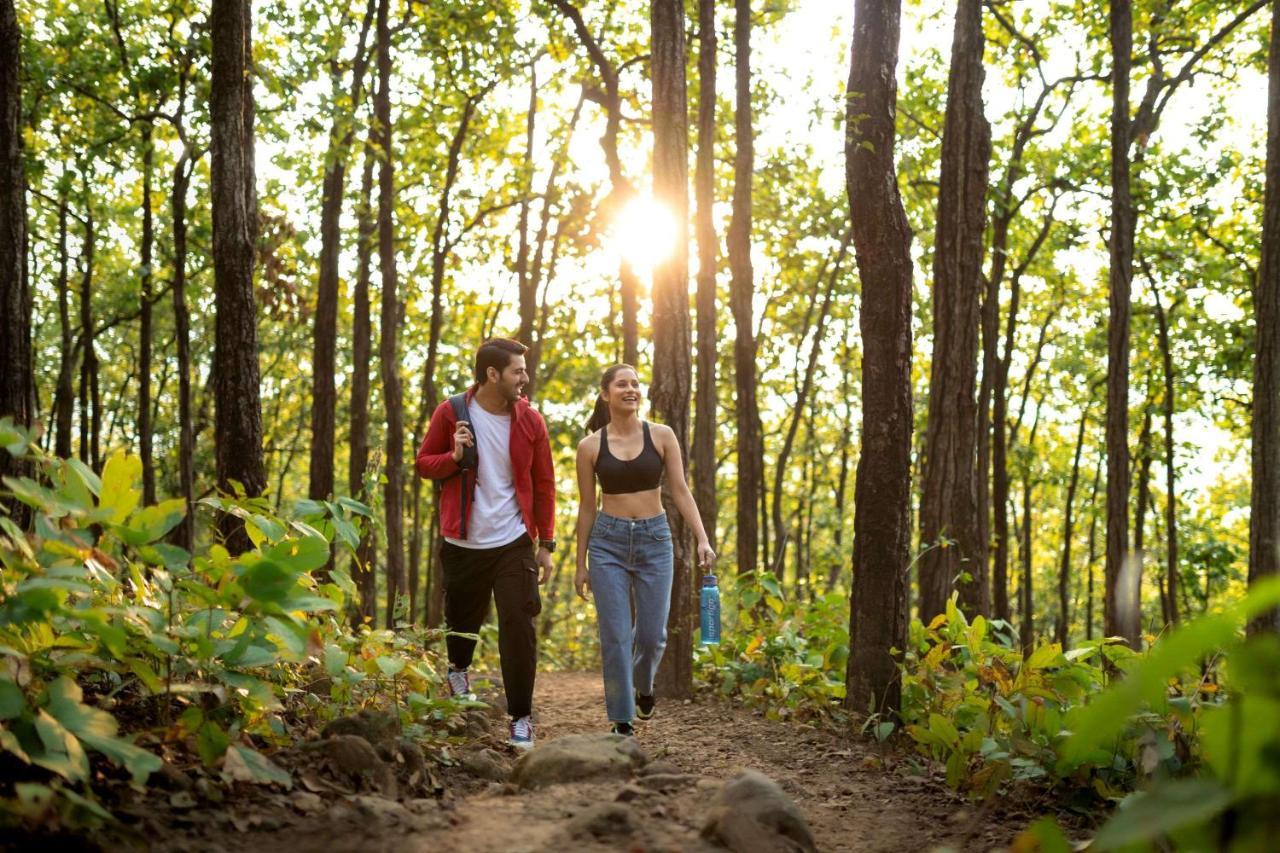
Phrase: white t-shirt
(495, 516)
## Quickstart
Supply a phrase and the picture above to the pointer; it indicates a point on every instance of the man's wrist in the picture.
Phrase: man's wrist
(548, 545)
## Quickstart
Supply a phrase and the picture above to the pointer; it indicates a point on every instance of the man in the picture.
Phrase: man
(491, 515)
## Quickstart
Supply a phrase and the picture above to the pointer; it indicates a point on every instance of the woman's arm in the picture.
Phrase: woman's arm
(586, 511)
(680, 494)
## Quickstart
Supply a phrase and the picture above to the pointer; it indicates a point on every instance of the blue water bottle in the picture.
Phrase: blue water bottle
(709, 611)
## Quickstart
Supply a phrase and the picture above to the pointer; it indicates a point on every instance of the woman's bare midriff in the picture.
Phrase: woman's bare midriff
(645, 504)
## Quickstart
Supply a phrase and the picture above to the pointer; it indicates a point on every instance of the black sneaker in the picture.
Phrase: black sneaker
(644, 707)
(624, 729)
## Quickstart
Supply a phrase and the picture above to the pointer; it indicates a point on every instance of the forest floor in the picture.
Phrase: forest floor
(855, 795)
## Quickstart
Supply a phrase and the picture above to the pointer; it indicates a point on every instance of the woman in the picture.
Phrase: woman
(628, 542)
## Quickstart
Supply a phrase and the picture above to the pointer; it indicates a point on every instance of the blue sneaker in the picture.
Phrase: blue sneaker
(460, 684)
(521, 734)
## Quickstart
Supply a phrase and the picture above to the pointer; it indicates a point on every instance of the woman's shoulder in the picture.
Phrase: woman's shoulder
(661, 431)
(591, 443)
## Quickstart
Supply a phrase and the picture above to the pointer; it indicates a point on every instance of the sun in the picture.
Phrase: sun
(643, 234)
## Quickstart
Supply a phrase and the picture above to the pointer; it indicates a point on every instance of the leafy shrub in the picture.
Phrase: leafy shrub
(103, 622)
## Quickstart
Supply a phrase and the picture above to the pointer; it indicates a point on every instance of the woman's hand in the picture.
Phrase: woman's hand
(582, 582)
(706, 557)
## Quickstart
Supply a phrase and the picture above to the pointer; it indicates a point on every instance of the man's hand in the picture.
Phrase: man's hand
(544, 563)
(462, 438)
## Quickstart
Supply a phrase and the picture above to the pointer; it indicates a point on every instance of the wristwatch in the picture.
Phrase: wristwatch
(549, 544)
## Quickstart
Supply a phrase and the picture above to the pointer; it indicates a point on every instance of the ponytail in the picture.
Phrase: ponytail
(599, 415)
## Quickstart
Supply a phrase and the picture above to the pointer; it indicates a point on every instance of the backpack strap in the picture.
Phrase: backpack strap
(470, 458)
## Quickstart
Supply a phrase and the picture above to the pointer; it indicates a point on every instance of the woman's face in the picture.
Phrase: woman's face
(623, 391)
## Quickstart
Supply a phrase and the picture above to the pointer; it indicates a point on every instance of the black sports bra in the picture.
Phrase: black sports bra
(624, 477)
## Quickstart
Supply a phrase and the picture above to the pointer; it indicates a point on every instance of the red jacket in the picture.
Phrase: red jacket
(530, 467)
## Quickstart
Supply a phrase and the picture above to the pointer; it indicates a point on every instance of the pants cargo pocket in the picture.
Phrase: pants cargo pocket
(533, 598)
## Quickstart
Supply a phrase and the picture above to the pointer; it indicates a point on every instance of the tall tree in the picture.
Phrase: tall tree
(64, 402)
(237, 399)
(90, 393)
(741, 293)
(361, 356)
(948, 503)
(1063, 625)
(1264, 519)
(672, 372)
(705, 403)
(397, 580)
(1121, 603)
(324, 337)
(882, 246)
(17, 381)
(1170, 471)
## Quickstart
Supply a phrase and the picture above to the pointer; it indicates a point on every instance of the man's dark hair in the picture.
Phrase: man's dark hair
(496, 353)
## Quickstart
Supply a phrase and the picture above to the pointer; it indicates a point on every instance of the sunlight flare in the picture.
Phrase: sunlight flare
(643, 234)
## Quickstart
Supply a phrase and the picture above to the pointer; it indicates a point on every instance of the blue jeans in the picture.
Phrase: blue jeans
(630, 557)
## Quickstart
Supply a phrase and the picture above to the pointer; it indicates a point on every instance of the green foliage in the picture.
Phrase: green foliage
(103, 623)
(785, 655)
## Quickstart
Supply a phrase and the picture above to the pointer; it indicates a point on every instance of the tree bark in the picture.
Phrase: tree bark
(742, 289)
(1068, 531)
(672, 371)
(324, 333)
(1120, 607)
(1027, 625)
(1170, 472)
(361, 356)
(17, 382)
(185, 532)
(238, 405)
(90, 396)
(706, 403)
(1144, 501)
(882, 243)
(525, 284)
(145, 324)
(397, 581)
(842, 481)
(64, 397)
(1264, 519)
(1093, 548)
(948, 504)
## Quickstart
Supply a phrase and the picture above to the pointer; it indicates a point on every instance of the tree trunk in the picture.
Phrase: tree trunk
(64, 397)
(882, 243)
(1093, 548)
(1144, 502)
(90, 396)
(1120, 606)
(750, 463)
(1170, 473)
(672, 372)
(145, 332)
(948, 503)
(185, 532)
(324, 333)
(238, 404)
(706, 404)
(1027, 625)
(525, 284)
(17, 383)
(361, 356)
(397, 581)
(1264, 524)
(842, 482)
(1068, 530)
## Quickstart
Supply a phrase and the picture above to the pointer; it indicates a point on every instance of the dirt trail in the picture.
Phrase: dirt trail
(854, 797)
(852, 802)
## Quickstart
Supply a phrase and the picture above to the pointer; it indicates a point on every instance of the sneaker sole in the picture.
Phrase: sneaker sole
(523, 745)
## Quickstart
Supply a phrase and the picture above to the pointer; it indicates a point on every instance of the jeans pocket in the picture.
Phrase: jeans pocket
(533, 597)
(660, 534)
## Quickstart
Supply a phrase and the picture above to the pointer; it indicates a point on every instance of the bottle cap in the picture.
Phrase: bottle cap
(708, 580)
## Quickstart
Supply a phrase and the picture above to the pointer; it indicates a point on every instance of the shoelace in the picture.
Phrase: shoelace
(522, 728)
(459, 682)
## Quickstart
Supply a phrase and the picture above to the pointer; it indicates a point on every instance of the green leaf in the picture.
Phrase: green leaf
(242, 764)
(97, 729)
(390, 667)
(268, 581)
(270, 528)
(211, 742)
(1043, 656)
(943, 728)
(62, 751)
(1044, 836)
(335, 660)
(354, 506)
(118, 492)
(153, 522)
(1149, 815)
(12, 700)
